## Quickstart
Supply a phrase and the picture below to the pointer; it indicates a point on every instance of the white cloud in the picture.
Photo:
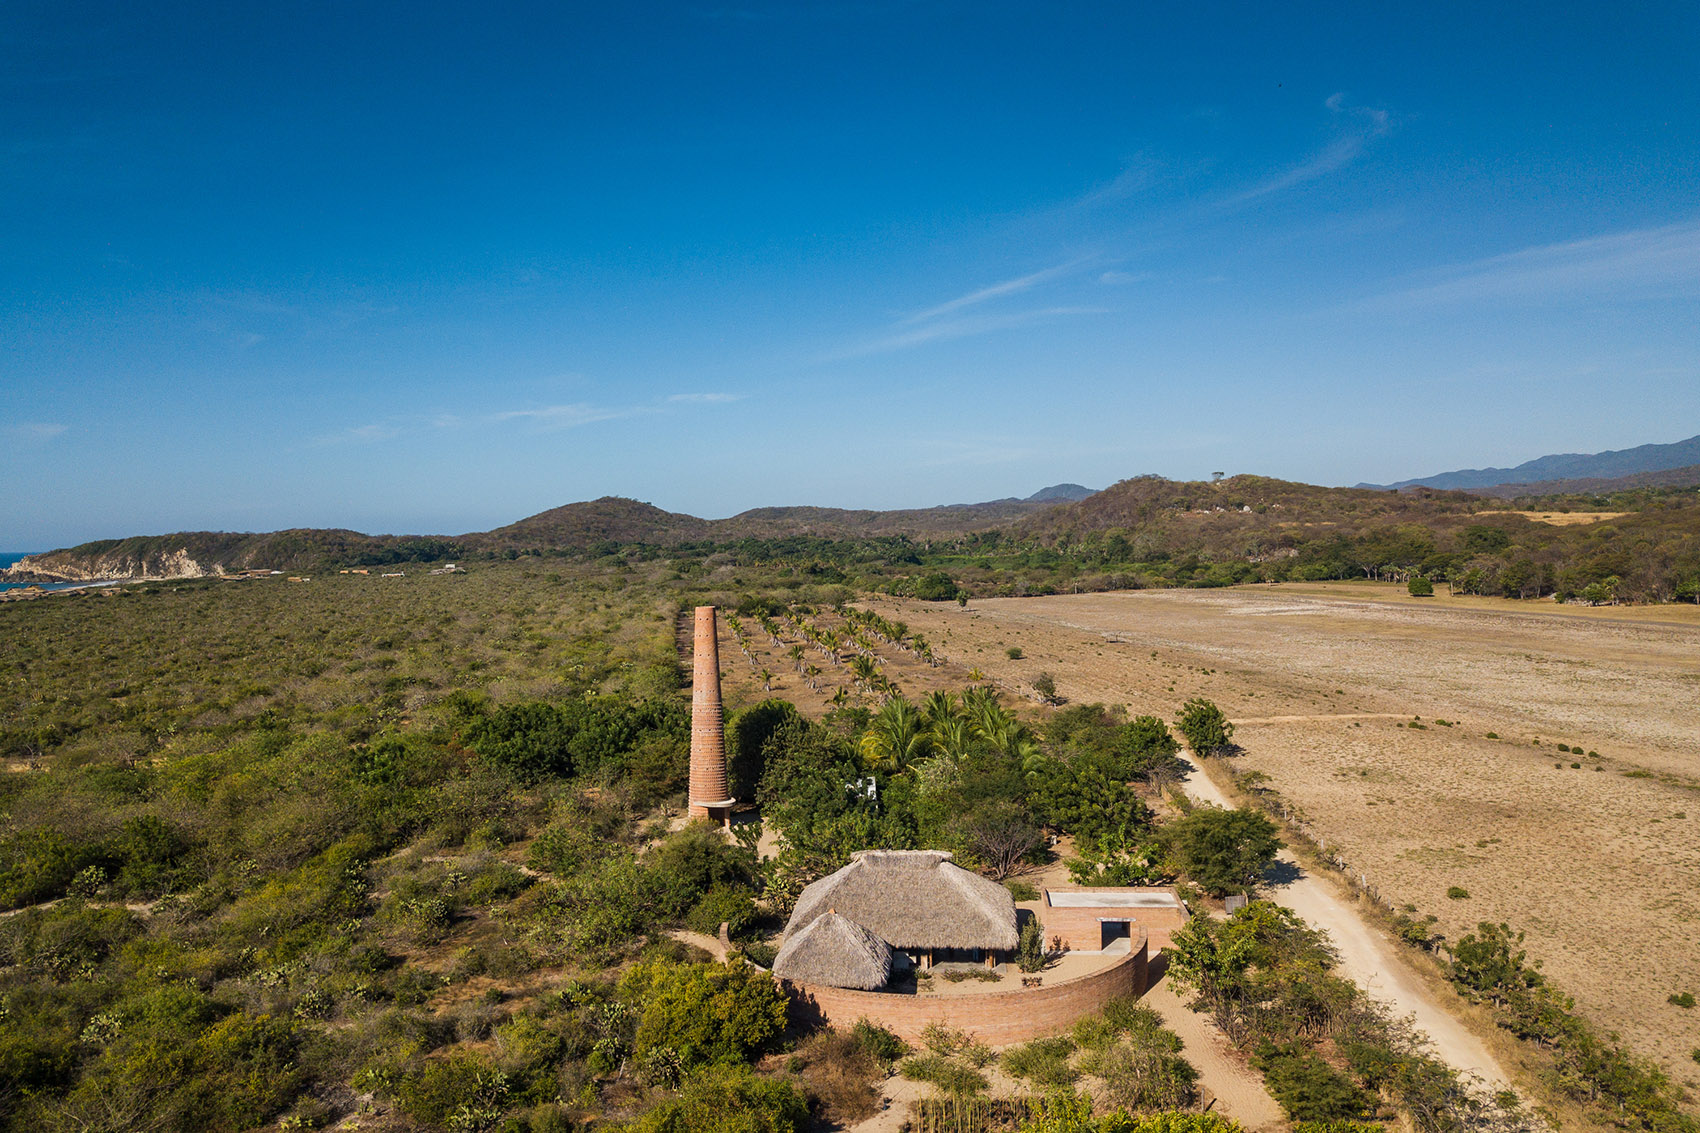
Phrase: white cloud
(1366, 124)
(564, 416)
(963, 328)
(995, 291)
(40, 432)
(1637, 264)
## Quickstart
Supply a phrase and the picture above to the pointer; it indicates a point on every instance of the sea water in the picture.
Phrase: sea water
(7, 558)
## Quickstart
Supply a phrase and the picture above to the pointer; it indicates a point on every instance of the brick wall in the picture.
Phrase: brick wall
(997, 1017)
(1080, 931)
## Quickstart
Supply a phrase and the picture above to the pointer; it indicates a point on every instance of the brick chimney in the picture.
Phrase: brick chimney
(710, 797)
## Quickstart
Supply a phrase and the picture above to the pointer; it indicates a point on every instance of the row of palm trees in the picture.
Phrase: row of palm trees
(742, 640)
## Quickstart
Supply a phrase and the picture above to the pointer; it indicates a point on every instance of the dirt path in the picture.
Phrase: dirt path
(1369, 958)
(707, 943)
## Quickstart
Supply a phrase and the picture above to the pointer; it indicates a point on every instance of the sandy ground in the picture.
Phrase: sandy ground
(1599, 863)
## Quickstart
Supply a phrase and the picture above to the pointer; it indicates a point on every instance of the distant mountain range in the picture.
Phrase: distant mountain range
(1684, 477)
(1552, 472)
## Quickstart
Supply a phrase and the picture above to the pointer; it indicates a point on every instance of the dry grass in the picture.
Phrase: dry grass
(1598, 866)
(840, 1076)
(1562, 518)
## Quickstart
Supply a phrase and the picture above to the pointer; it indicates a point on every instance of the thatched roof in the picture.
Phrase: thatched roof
(913, 899)
(836, 951)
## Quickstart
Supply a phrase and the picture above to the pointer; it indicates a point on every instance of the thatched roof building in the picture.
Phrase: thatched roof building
(916, 900)
(835, 951)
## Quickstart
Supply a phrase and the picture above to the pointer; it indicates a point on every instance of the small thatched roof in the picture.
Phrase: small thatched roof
(836, 951)
(913, 899)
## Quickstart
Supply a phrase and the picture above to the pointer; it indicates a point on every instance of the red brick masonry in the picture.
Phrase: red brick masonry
(996, 1017)
(708, 797)
(1080, 926)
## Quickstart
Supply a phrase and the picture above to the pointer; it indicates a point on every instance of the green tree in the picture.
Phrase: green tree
(1419, 587)
(747, 736)
(1222, 850)
(936, 586)
(1205, 727)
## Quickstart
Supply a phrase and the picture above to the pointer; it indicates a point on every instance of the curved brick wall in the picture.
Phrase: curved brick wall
(997, 1018)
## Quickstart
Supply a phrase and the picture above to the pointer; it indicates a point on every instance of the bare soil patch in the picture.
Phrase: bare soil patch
(1562, 518)
(1601, 867)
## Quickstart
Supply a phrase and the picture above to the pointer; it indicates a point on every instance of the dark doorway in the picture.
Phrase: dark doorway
(1112, 931)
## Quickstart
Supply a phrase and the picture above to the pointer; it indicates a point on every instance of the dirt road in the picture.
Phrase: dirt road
(1368, 957)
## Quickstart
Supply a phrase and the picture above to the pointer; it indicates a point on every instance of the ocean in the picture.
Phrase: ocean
(7, 558)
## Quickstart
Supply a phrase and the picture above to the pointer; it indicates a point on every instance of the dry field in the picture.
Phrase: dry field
(1600, 864)
(1561, 518)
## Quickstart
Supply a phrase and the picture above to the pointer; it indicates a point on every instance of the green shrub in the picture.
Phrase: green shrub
(728, 1100)
(463, 1091)
(1021, 890)
(1307, 1087)
(1144, 1076)
(1014, 653)
(693, 861)
(878, 1043)
(1420, 587)
(732, 907)
(1043, 1062)
(1682, 999)
(1457, 892)
(1030, 949)
(947, 1074)
(706, 1012)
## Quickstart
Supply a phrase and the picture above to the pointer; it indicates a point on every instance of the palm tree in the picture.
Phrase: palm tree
(766, 679)
(796, 655)
(810, 672)
(952, 735)
(896, 737)
(941, 705)
(863, 669)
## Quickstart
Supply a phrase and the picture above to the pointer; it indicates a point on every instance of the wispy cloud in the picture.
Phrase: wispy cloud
(541, 418)
(1643, 263)
(565, 416)
(945, 329)
(995, 291)
(37, 432)
(1362, 124)
(706, 398)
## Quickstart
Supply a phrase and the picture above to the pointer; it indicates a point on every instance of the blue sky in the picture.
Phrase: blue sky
(414, 267)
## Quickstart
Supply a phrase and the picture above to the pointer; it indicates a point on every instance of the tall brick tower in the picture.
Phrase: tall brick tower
(710, 797)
